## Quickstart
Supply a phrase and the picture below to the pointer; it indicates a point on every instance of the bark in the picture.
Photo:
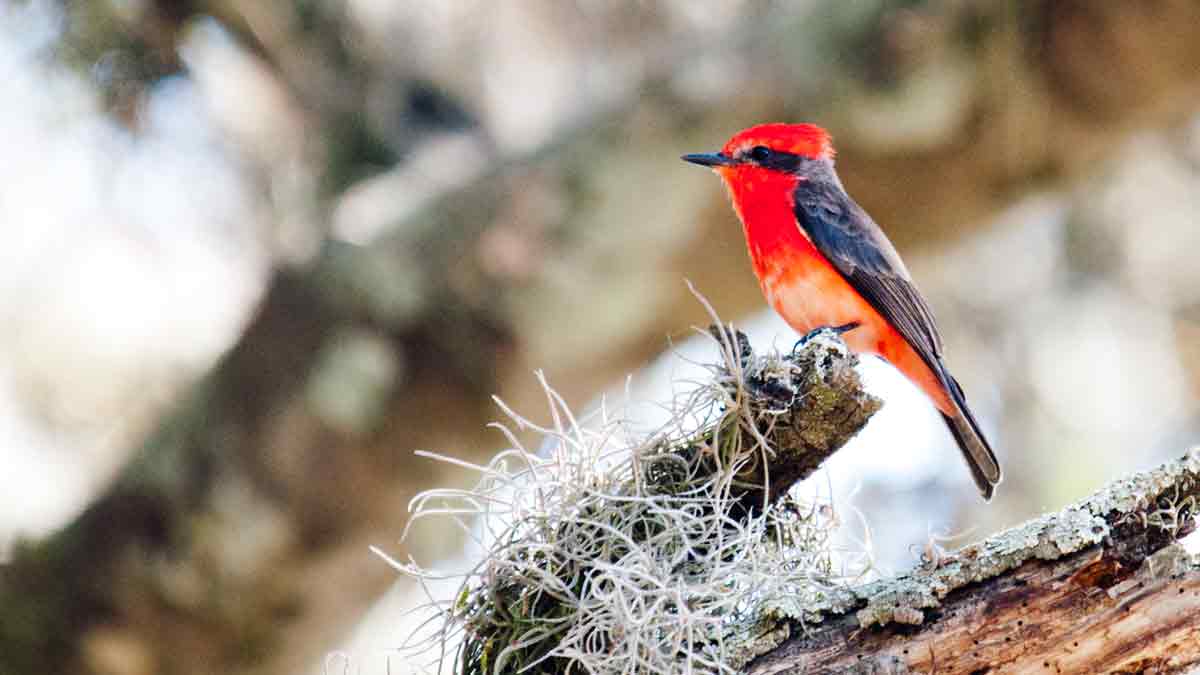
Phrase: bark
(236, 539)
(1102, 586)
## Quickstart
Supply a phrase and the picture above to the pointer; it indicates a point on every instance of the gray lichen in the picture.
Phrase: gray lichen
(754, 638)
(1046, 538)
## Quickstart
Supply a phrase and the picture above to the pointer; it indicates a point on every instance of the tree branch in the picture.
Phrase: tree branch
(1101, 586)
(816, 403)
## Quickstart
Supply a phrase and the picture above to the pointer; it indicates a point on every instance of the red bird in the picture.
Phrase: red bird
(822, 262)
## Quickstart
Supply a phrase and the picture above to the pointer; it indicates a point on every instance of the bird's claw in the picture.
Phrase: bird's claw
(839, 330)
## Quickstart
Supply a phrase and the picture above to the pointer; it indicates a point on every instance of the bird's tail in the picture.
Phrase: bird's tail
(982, 462)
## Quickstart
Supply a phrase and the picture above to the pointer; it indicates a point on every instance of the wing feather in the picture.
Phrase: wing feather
(852, 242)
(843, 232)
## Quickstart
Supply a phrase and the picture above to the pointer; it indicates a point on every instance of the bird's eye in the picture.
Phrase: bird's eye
(760, 153)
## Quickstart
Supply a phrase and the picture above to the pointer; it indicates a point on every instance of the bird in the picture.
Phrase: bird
(822, 262)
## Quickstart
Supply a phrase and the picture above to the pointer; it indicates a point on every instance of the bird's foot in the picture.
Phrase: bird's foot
(840, 330)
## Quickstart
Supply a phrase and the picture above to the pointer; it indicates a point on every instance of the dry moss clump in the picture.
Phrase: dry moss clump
(608, 553)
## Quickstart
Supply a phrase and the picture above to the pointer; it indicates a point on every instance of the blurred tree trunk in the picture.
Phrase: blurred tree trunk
(236, 539)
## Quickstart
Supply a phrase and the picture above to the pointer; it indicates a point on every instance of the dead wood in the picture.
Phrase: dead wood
(1101, 586)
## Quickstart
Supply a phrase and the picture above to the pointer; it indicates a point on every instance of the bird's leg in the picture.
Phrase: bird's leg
(840, 330)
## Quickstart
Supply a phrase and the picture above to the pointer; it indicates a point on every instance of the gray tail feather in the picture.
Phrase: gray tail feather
(981, 460)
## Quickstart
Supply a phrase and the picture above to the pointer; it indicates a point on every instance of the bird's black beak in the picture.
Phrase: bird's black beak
(708, 159)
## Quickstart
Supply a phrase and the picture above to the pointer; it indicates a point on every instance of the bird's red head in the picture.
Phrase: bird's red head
(806, 140)
(762, 165)
(768, 154)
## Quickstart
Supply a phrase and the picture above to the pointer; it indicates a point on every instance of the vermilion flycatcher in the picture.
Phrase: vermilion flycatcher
(822, 262)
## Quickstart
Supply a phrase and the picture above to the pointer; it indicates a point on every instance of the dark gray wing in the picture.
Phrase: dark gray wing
(859, 250)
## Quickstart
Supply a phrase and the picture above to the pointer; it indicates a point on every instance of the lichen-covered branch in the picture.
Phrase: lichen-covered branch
(801, 408)
(1101, 586)
(634, 555)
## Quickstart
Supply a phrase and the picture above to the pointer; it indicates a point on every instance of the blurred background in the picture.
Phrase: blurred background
(259, 252)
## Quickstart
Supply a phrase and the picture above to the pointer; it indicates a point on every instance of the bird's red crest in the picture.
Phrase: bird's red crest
(809, 140)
